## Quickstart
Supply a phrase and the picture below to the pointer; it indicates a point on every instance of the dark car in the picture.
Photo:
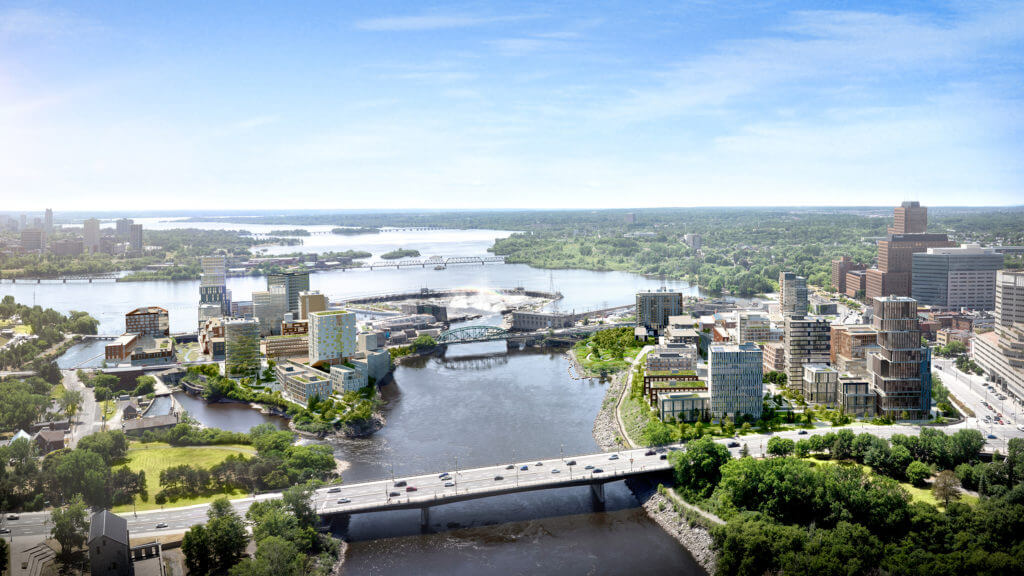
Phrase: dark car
(991, 436)
(410, 488)
(650, 453)
(733, 444)
(499, 477)
(663, 457)
(162, 525)
(570, 463)
(5, 530)
(400, 483)
(802, 432)
(510, 467)
(393, 494)
(597, 471)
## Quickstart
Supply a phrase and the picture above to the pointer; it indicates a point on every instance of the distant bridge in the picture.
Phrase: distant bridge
(64, 279)
(441, 261)
(467, 334)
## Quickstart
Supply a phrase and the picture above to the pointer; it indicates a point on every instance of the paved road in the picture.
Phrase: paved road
(973, 391)
(90, 417)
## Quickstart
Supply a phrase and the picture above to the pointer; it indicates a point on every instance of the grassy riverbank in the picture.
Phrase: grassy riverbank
(152, 458)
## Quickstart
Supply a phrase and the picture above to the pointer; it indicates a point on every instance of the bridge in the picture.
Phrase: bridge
(426, 491)
(467, 334)
(441, 261)
(64, 279)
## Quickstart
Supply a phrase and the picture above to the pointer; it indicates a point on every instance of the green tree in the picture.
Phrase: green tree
(70, 527)
(198, 550)
(275, 556)
(697, 468)
(965, 446)
(70, 402)
(780, 446)
(917, 472)
(226, 535)
(946, 487)
(4, 553)
(144, 385)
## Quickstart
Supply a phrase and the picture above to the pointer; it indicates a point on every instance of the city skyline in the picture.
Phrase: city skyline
(477, 107)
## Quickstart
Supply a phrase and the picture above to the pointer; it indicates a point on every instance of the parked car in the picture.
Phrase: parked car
(12, 516)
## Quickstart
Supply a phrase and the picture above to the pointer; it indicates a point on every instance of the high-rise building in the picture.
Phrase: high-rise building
(48, 220)
(1001, 352)
(269, 307)
(792, 295)
(311, 301)
(909, 218)
(332, 336)
(753, 327)
(821, 385)
(963, 277)
(241, 347)
(135, 238)
(735, 379)
(91, 235)
(293, 283)
(806, 340)
(123, 228)
(850, 344)
(900, 370)
(148, 321)
(31, 239)
(693, 241)
(653, 309)
(895, 254)
(213, 283)
(840, 268)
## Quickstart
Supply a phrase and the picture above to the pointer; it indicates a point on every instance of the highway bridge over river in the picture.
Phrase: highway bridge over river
(445, 487)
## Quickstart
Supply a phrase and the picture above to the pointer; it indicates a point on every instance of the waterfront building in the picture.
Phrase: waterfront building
(332, 336)
(301, 382)
(375, 364)
(849, 346)
(439, 312)
(955, 278)
(672, 360)
(241, 347)
(807, 341)
(792, 295)
(907, 236)
(735, 379)
(293, 282)
(135, 239)
(683, 406)
(123, 228)
(1001, 352)
(855, 396)
(311, 301)
(753, 327)
(821, 385)
(151, 350)
(32, 239)
(375, 340)
(900, 370)
(148, 321)
(840, 269)
(347, 379)
(653, 309)
(91, 235)
(529, 321)
(121, 348)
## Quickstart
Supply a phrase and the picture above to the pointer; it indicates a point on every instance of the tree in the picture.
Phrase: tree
(102, 393)
(744, 451)
(657, 433)
(70, 402)
(275, 556)
(780, 446)
(424, 341)
(842, 446)
(226, 536)
(698, 467)
(917, 472)
(946, 487)
(965, 446)
(70, 527)
(197, 550)
(144, 385)
(3, 556)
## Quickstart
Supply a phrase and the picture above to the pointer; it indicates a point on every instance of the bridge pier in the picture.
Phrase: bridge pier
(424, 518)
(597, 493)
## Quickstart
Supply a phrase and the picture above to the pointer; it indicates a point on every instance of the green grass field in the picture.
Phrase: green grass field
(918, 494)
(158, 456)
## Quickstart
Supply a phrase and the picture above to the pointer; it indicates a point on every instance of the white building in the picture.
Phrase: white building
(332, 336)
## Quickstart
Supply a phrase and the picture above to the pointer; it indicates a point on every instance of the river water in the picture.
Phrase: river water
(477, 404)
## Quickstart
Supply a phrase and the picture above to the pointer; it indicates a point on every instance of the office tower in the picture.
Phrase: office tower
(311, 301)
(148, 321)
(31, 239)
(850, 344)
(91, 236)
(821, 385)
(653, 309)
(48, 220)
(792, 295)
(241, 347)
(293, 282)
(840, 269)
(900, 370)
(693, 241)
(735, 379)
(907, 236)
(213, 283)
(332, 336)
(23, 222)
(806, 341)
(124, 228)
(753, 327)
(1001, 352)
(963, 277)
(135, 238)
(269, 307)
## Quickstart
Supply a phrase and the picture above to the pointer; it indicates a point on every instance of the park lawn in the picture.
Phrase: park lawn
(917, 494)
(157, 456)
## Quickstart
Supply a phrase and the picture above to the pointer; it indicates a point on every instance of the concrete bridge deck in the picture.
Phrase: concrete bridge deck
(484, 482)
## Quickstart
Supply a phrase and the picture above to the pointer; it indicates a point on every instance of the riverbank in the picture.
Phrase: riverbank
(609, 437)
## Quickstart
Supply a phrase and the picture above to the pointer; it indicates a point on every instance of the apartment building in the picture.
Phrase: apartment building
(735, 379)
(332, 336)
(821, 385)
(792, 295)
(900, 370)
(148, 321)
(653, 309)
(807, 341)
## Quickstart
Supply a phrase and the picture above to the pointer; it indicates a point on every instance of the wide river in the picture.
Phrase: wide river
(470, 405)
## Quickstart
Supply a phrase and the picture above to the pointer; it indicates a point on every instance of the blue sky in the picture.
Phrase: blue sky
(510, 105)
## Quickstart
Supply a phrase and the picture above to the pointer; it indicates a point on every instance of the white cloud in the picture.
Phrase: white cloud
(430, 22)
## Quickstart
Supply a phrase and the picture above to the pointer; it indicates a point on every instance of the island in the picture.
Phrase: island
(400, 253)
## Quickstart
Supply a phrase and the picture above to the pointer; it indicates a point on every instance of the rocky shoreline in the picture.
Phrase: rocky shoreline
(696, 539)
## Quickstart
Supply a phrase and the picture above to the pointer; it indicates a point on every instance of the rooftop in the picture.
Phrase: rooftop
(103, 523)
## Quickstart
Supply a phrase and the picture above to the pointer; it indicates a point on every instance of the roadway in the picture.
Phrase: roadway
(974, 391)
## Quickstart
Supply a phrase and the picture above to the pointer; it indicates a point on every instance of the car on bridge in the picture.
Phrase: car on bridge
(400, 483)
(597, 471)
(510, 467)
(524, 467)
(343, 501)
(334, 490)
(650, 453)
(589, 467)
(393, 494)
(410, 488)
(161, 525)
(613, 457)
(498, 478)
(449, 484)
(570, 463)
(555, 470)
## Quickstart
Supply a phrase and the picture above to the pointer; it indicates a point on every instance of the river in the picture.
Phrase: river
(489, 410)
